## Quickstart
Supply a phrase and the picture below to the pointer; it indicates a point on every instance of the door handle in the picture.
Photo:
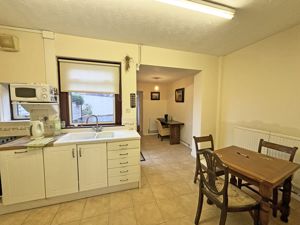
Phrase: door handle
(124, 162)
(124, 180)
(80, 154)
(73, 153)
(124, 171)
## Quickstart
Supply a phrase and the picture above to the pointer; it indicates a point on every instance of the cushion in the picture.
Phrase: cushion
(236, 197)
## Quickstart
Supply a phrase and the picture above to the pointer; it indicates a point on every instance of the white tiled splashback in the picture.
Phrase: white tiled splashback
(8, 129)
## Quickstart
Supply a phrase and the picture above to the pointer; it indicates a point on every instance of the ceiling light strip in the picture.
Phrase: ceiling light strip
(203, 7)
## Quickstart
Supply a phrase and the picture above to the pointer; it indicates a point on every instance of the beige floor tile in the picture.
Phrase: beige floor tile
(96, 206)
(14, 218)
(163, 191)
(171, 208)
(180, 221)
(123, 217)
(142, 196)
(98, 220)
(189, 203)
(156, 179)
(41, 216)
(69, 212)
(148, 214)
(120, 200)
(180, 187)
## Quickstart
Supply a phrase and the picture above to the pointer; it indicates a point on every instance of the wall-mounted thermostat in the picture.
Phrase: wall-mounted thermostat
(132, 100)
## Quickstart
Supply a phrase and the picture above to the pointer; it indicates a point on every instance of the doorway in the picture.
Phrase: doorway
(139, 112)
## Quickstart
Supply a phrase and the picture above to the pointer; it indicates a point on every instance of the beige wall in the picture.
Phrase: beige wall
(87, 48)
(26, 65)
(182, 111)
(260, 86)
(152, 109)
(36, 62)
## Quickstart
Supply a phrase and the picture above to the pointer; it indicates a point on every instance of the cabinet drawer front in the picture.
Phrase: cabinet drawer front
(123, 179)
(123, 171)
(123, 162)
(123, 145)
(123, 153)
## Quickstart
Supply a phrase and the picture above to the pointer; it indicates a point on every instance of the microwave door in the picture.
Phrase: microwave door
(22, 93)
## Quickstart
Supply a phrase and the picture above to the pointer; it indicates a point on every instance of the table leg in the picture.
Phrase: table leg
(286, 198)
(174, 134)
(264, 213)
(233, 180)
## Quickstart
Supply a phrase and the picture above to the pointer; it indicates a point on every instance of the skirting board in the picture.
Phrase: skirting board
(4, 209)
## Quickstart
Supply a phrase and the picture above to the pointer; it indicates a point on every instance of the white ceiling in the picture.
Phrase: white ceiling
(165, 74)
(153, 23)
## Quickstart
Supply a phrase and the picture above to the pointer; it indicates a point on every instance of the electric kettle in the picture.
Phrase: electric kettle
(36, 129)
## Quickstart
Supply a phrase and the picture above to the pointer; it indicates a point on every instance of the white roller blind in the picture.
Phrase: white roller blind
(81, 76)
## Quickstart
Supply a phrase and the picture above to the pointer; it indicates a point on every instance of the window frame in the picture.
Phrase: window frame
(64, 99)
(80, 124)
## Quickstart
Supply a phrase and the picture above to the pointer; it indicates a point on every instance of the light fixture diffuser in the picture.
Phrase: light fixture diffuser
(203, 7)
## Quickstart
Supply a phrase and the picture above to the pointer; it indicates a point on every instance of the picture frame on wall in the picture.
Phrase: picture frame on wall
(155, 95)
(179, 95)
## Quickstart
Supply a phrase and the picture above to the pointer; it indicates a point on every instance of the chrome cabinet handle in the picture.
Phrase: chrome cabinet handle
(124, 180)
(21, 152)
(80, 154)
(73, 153)
(124, 162)
(124, 171)
(123, 154)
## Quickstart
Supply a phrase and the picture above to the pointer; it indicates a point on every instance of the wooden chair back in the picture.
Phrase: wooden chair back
(208, 139)
(290, 151)
(214, 187)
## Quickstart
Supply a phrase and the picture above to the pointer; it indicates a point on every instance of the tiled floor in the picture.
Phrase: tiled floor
(167, 197)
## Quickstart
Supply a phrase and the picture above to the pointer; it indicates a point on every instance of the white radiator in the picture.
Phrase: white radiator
(249, 139)
(152, 128)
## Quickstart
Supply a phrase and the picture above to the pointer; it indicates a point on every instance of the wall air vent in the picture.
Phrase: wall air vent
(9, 43)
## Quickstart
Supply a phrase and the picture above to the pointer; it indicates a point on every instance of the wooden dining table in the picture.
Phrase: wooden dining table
(263, 171)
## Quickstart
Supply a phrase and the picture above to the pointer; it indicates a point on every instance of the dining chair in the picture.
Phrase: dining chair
(277, 151)
(218, 190)
(209, 144)
(162, 131)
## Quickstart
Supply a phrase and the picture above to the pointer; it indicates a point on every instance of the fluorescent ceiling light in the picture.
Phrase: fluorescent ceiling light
(203, 7)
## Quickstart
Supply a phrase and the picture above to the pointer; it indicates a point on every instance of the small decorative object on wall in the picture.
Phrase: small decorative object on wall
(179, 95)
(127, 60)
(155, 95)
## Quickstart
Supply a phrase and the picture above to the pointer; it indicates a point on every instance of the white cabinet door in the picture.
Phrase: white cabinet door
(22, 174)
(61, 170)
(92, 163)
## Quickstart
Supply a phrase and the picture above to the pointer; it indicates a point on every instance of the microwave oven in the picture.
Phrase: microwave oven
(33, 93)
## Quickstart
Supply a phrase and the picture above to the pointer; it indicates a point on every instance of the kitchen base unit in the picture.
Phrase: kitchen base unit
(4, 209)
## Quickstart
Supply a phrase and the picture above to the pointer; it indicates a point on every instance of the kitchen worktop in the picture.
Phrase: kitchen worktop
(20, 143)
(117, 135)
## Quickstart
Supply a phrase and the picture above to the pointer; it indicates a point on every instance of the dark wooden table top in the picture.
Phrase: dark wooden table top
(257, 166)
(170, 122)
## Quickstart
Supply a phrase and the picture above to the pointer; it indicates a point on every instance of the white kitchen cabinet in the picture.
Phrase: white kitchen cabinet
(22, 175)
(123, 162)
(61, 176)
(92, 166)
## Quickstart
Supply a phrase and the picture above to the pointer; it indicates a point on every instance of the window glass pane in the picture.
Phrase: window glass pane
(84, 105)
(19, 112)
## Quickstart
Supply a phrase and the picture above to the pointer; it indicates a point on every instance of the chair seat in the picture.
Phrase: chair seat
(236, 197)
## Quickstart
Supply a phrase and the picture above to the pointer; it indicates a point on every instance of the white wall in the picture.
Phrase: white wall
(26, 65)
(182, 111)
(152, 109)
(36, 62)
(260, 86)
